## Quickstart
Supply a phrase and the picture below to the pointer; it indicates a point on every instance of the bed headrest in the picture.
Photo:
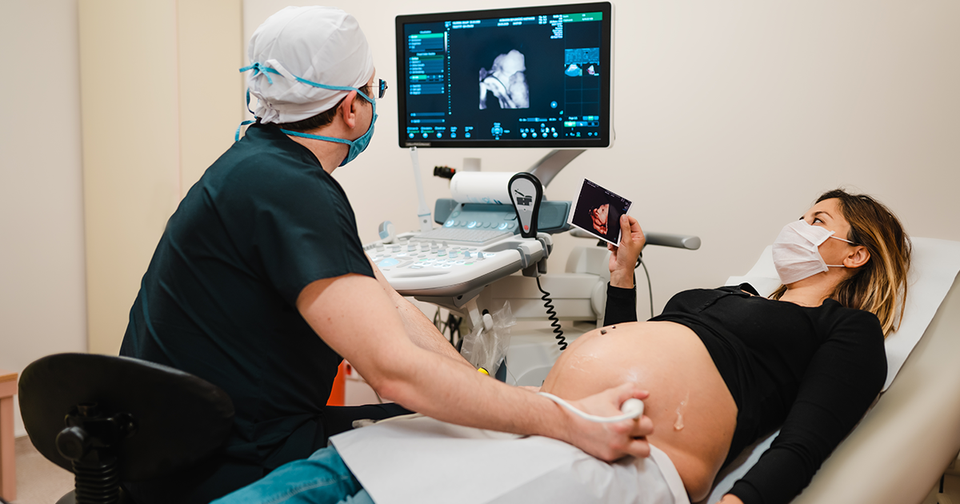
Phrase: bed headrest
(934, 268)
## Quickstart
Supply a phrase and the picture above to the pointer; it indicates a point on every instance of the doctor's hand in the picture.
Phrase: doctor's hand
(623, 258)
(611, 441)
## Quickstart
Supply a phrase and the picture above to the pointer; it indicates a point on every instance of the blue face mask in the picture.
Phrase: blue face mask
(356, 146)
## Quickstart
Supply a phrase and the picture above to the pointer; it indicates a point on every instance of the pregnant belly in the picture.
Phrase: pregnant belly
(693, 413)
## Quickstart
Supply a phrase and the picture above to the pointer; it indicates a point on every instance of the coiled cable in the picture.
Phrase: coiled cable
(552, 315)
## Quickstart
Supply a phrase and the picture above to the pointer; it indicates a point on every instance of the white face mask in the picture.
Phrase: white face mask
(796, 252)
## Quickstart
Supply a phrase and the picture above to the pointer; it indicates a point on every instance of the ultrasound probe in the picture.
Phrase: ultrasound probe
(631, 408)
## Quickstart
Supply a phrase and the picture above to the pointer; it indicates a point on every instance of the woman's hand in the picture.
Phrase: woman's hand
(623, 259)
(730, 499)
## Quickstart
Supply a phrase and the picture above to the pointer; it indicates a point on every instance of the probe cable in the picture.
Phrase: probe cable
(552, 315)
(631, 408)
(649, 284)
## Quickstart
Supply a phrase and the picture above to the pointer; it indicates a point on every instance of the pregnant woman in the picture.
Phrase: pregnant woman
(723, 366)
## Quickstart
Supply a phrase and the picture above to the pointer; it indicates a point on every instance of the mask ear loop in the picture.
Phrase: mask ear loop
(835, 237)
(236, 136)
(334, 88)
(317, 137)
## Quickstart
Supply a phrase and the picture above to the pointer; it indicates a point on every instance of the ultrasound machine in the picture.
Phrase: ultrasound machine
(528, 77)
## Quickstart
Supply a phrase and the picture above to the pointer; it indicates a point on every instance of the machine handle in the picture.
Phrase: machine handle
(688, 242)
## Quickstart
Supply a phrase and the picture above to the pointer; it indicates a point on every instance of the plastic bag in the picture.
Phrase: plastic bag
(486, 345)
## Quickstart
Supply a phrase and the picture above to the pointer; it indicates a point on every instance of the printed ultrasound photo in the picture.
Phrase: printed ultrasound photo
(598, 210)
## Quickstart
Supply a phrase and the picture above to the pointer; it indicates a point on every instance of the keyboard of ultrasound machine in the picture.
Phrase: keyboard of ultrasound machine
(471, 236)
(470, 250)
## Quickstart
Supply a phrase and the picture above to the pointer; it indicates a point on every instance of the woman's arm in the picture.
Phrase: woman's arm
(730, 499)
(841, 381)
(623, 258)
(621, 303)
(621, 306)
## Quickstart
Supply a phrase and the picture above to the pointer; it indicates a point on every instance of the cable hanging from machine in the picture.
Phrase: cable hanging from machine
(449, 328)
(649, 284)
(552, 315)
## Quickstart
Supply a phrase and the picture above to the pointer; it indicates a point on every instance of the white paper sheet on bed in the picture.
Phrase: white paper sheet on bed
(934, 268)
(428, 461)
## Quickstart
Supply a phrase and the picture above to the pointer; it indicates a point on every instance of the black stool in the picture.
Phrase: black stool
(111, 419)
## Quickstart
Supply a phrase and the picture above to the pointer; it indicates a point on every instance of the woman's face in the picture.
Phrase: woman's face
(827, 214)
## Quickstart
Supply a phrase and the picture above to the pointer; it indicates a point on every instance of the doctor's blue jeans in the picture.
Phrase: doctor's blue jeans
(321, 479)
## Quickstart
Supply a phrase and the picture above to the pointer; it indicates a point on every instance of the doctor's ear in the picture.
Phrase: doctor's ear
(349, 108)
(857, 258)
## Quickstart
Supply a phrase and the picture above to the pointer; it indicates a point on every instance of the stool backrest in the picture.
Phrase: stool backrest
(176, 418)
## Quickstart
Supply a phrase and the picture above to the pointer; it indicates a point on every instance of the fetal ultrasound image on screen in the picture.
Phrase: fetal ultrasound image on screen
(505, 78)
(505, 82)
(501, 74)
(598, 212)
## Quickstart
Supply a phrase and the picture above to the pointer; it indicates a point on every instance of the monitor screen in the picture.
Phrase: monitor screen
(522, 77)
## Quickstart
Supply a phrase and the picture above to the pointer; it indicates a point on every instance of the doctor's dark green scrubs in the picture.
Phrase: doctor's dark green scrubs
(219, 301)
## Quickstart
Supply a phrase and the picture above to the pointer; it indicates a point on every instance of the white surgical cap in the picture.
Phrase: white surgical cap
(319, 44)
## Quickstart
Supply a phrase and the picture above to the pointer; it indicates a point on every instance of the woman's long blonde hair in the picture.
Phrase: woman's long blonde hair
(879, 286)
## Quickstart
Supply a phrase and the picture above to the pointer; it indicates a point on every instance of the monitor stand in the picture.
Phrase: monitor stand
(423, 211)
(551, 164)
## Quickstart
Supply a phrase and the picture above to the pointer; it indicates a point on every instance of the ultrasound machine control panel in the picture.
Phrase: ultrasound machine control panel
(475, 246)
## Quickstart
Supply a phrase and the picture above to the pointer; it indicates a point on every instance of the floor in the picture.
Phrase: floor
(39, 481)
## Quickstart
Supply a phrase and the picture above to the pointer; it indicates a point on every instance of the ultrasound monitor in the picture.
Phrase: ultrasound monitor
(520, 77)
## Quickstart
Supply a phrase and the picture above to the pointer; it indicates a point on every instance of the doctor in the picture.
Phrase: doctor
(259, 283)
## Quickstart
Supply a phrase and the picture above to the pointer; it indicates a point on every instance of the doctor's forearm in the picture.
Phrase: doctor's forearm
(422, 331)
(418, 327)
(446, 391)
(441, 389)
(352, 315)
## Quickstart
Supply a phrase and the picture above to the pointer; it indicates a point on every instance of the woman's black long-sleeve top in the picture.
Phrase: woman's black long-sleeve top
(812, 371)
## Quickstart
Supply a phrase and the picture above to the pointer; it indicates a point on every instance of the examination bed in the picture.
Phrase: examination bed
(895, 455)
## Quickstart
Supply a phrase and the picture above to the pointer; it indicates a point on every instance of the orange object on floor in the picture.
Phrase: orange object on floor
(8, 469)
(337, 394)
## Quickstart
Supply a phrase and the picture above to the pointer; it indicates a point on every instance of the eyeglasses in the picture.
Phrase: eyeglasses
(380, 92)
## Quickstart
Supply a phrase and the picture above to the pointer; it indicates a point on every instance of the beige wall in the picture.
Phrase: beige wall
(160, 102)
(211, 87)
(42, 302)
